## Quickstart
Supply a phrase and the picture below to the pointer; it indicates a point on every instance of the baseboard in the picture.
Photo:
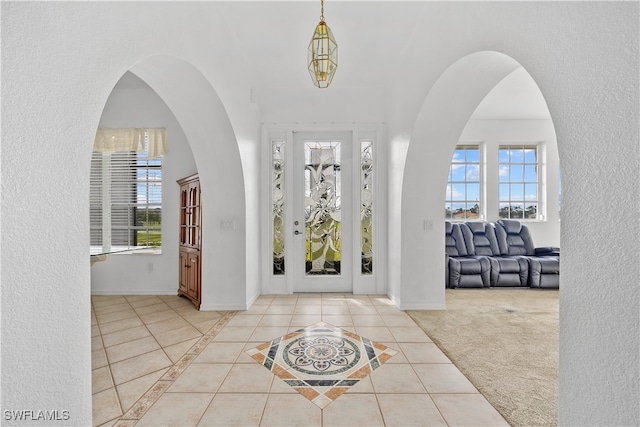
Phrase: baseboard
(252, 300)
(422, 306)
(393, 299)
(134, 292)
(217, 307)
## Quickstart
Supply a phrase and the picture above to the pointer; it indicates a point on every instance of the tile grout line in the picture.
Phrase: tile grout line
(137, 411)
(122, 411)
(109, 363)
(106, 356)
(227, 374)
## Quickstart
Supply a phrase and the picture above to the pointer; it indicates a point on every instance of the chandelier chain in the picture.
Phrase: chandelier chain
(322, 10)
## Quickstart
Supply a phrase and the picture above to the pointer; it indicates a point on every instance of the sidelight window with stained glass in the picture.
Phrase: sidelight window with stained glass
(366, 206)
(278, 200)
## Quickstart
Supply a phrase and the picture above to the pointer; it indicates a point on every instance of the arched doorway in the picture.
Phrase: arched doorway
(441, 120)
(202, 119)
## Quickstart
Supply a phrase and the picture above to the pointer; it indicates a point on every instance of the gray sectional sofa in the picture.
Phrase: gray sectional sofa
(501, 254)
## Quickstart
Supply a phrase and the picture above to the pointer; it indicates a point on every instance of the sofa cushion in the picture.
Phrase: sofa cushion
(470, 266)
(509, 265)
(513, 238)
(480, 238)
(454, 241)
(544, 272)
(549, 265)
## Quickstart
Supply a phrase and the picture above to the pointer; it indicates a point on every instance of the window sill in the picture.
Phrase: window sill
(144, 250)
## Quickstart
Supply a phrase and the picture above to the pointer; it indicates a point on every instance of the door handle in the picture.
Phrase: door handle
(296, 232)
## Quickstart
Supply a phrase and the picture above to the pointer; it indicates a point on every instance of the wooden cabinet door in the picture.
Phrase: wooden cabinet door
(193, 285)
(184, 272)
(194, 215)
(190, 239)
(184, 214)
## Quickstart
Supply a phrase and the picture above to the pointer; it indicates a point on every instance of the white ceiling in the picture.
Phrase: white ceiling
(274, 36)
(373, 40)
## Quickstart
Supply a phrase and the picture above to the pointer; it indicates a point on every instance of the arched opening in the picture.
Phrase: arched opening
(441, 121)
(133, 195)
(199, 124)
(514, 114)
(504, 166)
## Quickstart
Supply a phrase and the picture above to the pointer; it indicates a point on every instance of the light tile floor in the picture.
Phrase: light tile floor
(159, 362)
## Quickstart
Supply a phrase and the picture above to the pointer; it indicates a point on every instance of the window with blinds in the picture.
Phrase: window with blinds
(125, 201)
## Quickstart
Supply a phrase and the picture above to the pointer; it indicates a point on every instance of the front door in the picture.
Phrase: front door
(322, 212)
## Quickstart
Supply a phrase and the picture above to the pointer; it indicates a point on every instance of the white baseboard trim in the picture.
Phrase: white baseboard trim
(134, 292)
(422, 306)
(393, 299)
(216, 307)
(250, 302)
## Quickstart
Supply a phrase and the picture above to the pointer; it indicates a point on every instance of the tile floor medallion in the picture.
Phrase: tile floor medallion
(321, 361)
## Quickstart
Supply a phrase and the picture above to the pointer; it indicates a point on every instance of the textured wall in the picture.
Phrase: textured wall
(596, 113)
(60, 61)
(585, 59)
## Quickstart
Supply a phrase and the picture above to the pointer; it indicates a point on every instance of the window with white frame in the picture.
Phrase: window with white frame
(519, 185)
(463, 198)
(125, 200)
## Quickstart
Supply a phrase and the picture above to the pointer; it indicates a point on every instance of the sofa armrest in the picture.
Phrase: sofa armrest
(547, 250)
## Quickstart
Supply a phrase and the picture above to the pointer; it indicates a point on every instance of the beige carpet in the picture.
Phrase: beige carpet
(506, 342)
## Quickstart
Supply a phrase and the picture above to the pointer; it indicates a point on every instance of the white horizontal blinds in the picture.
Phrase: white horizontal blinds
(98, 244)
(125, 193)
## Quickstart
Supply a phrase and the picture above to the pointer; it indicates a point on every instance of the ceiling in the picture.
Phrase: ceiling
(373, 41)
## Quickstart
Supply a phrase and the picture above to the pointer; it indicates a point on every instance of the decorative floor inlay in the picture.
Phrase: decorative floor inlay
(321, 361)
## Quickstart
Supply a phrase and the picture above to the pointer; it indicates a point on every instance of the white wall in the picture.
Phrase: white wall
(492, 134)
(584, 58)
(139, 273)
(61, 61)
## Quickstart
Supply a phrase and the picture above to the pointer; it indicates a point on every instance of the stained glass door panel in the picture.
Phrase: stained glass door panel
(322, 214)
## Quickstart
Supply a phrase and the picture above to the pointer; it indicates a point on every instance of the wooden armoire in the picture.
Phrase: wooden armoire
(190, 239)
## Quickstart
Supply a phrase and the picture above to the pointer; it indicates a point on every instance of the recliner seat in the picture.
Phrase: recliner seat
(514, 238)
(506, 270)
(463, 270)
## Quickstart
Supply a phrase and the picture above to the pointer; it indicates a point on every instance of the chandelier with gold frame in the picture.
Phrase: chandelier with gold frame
(322, 57)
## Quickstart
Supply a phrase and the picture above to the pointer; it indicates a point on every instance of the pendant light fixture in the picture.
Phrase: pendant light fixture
(322, 57)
